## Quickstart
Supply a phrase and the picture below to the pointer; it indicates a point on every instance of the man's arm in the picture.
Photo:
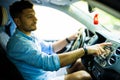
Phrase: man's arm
(70, 57)
(60, 44)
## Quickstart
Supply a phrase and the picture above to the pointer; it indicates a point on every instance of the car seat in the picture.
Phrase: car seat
(8, 70)
(3, 21)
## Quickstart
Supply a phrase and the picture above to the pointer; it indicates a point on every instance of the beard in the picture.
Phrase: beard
(33, 27)
(29, 28)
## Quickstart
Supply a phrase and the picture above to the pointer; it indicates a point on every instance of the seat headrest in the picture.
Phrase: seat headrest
(3, 16)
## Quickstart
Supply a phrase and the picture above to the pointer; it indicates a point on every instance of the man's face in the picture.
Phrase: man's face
(27, 20)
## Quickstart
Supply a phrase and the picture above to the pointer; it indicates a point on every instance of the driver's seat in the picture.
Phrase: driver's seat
(8, 71)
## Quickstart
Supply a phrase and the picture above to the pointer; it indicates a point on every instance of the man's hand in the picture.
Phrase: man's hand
(77, 34)
(98, 49)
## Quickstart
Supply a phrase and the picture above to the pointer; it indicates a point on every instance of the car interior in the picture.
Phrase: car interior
(103, 67)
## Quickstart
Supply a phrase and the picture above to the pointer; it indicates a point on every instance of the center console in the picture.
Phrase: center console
(107, 65)
(111, 58)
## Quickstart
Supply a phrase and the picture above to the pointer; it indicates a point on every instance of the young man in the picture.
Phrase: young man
(38, 60)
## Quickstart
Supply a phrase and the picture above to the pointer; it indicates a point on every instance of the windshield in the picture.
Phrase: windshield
(107, 20)
(54, 23)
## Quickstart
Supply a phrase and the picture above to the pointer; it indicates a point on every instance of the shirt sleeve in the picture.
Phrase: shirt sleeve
(46, 47)
(28, 53)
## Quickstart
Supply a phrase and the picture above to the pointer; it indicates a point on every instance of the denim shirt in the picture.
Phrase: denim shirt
(34, 59)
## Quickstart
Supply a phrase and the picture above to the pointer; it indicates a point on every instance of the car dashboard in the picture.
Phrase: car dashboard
(107, 65)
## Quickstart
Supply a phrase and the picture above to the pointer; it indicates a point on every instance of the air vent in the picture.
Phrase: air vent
(118, 51)
(112, 60)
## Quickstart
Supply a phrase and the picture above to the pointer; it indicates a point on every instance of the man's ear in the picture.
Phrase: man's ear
(17, 21)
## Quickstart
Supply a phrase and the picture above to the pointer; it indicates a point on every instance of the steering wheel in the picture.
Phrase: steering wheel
(79, 41)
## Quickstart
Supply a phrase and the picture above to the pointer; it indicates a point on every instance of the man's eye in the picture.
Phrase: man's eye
(29, 16)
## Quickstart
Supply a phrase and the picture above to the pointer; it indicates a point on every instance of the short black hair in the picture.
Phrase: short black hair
(17, 7)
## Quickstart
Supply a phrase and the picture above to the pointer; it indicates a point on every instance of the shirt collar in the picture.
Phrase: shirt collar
(24, 35)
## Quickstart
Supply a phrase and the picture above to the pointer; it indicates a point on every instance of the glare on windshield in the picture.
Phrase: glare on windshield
(107, 20)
